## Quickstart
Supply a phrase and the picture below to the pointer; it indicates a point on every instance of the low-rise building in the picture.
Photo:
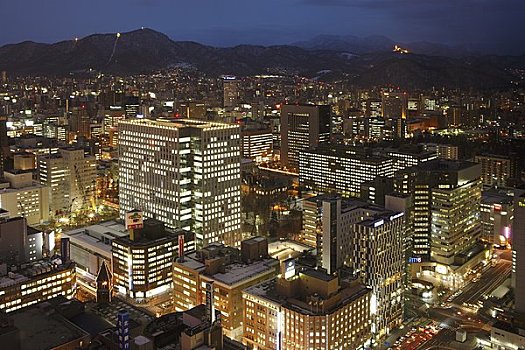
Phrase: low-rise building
(228, 271)
(142, 262)
(34, 282)
(308, 309)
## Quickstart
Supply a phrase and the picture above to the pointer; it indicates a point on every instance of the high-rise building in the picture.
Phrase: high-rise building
(518, 253)
(371, 240)
(497, 214)
(231, 91)
(71, 179)
(445, 212)
(257, 144)
(79, 123)
(185, 173)
(497, 170)
(340, 169)
(4, 145)
(303, 127)
(18, 242)
(394, 105)
(307, 309)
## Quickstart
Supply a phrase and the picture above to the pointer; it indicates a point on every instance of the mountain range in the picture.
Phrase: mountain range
(363, 62)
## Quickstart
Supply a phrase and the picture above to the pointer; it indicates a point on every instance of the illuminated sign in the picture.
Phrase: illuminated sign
(521, 203)
(210, 308)
(289, 268)
(393, 217)
(379, 223)
(134, 220)
(414, 260)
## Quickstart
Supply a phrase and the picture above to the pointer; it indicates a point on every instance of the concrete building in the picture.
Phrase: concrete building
(70, 177)
(21, 196)
(340, 169)
(370, 240)
(18, 242)
(185, 173)
(497, 170)
(231, 92)
(497, 215)
(302, 127)
(307, 309)
(506, 336)
(36, 282)
(228, 271)
(142, 262)
(518, 252)
(438, 232)
(89, 247)
(257, 144)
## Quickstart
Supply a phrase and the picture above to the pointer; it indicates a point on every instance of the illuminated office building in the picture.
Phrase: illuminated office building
(70, 177)
(36, 282)
(302, 127)
(307, 309)
(185, 173)
(143, 262)
(368, 238)
(231, 92)
(497, 170)
(21, 196)
(340, 169)
(445, 212)
(518, 253)
(230, 271)
(497, 214)
(257, 144)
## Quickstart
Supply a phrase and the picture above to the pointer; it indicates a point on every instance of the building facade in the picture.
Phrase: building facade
(302, 127)
(70, 177)
(184, 173)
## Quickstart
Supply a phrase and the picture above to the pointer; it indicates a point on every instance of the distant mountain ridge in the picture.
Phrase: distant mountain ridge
(145, 50)
(378, 43)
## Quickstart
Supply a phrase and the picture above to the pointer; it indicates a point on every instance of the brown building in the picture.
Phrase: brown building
(307, 310)
(229, 271)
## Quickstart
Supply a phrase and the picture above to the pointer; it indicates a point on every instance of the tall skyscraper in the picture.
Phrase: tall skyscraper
(185, 173)
(369, 239)
(496, 170)
(302, 127)
(445, 212)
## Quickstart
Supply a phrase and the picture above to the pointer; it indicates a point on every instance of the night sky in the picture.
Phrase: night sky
(496, 25)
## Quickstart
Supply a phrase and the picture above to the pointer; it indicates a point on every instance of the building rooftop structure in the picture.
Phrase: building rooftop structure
(40, 329)
(298, 298)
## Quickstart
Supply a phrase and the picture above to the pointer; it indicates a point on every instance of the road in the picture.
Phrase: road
(489, 280)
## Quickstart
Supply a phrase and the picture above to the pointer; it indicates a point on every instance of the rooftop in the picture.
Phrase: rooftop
(38, 330)
(238, 272)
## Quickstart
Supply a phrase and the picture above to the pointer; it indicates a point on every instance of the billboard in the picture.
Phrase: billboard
(134, 220)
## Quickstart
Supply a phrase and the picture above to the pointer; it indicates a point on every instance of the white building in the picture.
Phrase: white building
(185, 173)
(70, 177)
(26, 198)
(340, 169)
